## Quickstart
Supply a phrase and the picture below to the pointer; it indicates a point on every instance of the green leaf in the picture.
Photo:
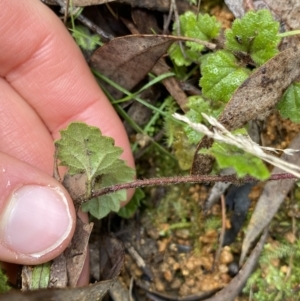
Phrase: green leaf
(84, 150)
(117, 173)
(133, 205)
(4, 287)
(244, 163)
(289, 105)
(254, 34)
(40, 276)
(180, 60)
(84, 39)
(203, 27)
(101, 206)
(183, 150)
(221, 76)
(197, 105)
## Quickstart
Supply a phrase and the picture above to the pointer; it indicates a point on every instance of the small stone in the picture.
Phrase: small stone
(207, 262)
(153, 233)
(226, 256)
(182, 233)
(164, 267)
(190, 282)
(173, 248)
(195, 196)
(185, 272)
(170, 261)
(290, 237)
(208, 284)
(225, 278)
(190, 265)
(216, 210)
(223, 268)
(159, 285)
(284, 269)
(184, 290)
(227, 223)
(168, 275)
(136, 271)
(176, 284)
(162, 245)
(233, 268)
(175, 266)
(210, 236)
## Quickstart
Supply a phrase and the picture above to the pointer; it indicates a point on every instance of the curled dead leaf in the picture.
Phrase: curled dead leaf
(254, 99)
(270, 200)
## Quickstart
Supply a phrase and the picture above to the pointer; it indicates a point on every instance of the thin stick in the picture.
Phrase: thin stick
(66, 11)
(178, 29)
(198, 8)
(222, 234)
(95, 28)
(92, 26)
(186, 179)
(168, 21)
(56, 174)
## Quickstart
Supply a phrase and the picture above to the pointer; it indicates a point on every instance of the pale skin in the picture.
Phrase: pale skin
(45, 84)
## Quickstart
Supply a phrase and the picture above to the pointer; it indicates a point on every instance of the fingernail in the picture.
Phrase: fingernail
(36, 220)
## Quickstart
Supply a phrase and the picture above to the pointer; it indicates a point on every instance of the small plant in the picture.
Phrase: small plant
(4, 287)
(85, 39)
(251, 42)
(88, 154)
(277, 277)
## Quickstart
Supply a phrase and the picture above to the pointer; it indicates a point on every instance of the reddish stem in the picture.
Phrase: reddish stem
(186, 179)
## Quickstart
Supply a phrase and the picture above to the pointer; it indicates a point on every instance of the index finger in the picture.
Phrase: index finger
(40, 61)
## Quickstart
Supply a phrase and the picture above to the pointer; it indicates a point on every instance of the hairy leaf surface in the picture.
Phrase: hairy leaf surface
(203, 27)
(84, 150)
(255, 34)
(243, 163)
(289, 105)
(84, 39)
(221, 76)
(197, 105)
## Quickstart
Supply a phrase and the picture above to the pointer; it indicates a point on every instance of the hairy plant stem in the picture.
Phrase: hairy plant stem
(186, 179)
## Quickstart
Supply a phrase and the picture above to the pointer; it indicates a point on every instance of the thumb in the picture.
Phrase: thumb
(37, 217)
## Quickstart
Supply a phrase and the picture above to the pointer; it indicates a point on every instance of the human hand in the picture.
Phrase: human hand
(44, 85)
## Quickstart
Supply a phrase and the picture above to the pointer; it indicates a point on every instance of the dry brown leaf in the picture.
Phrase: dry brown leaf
(145, 22)
(90, 2)
(161, 5)
(111, 260)
(87, 293)
(270, 200)
(128, 59)
(254, 99)
(77, 250)
(58, 272)
(284, 11)
(287, 13)
(111, 257)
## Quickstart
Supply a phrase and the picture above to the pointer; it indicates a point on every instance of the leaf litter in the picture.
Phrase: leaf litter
(254, 99)
(76, 291)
